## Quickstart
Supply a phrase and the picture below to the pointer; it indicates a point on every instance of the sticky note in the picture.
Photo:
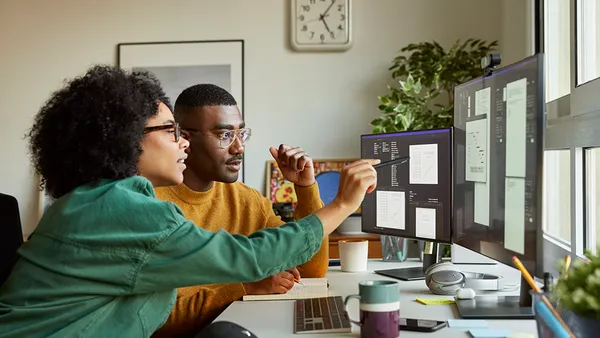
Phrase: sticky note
(489, 333)
(467, 323)
(520, 335)
(435, 301)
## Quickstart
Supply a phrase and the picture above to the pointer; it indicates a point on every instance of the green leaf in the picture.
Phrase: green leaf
(417, 87)
(400, 108)
(378, 121)
(377, 130)
(406, 87)
(384, 100)
(387, 121)
(437, 80)
(404, 121)
(399, 118)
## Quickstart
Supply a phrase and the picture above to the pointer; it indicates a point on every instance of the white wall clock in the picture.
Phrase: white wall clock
(321, 25)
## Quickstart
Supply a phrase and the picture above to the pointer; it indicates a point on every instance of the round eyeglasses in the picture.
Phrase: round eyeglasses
(174, 126)
(226, 138)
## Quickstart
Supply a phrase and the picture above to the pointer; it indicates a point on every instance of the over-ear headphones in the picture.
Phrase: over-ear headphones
(444, 278)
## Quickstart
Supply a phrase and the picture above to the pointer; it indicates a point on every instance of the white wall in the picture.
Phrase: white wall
(517, 30)
(321, 102)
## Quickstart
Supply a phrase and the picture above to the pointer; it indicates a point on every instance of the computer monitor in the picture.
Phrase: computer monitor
(499, 145)
(412, 199)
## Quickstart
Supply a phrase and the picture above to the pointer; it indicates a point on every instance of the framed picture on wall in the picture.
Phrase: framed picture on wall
(181, 64)
(327, 175)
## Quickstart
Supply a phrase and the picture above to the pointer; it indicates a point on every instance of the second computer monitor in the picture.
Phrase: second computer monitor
(499, 136)
(412, 199)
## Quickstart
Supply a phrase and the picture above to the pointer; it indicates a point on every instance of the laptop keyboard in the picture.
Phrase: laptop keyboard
(325, 314)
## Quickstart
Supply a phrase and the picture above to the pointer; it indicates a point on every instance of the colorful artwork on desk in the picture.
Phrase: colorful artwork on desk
(327, 174)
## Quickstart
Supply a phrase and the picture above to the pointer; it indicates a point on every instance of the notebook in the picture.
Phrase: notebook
(310, 288)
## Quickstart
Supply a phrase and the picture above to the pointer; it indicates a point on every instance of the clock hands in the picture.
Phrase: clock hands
(322, 16)
(328, 8)
(322, 19)
(327, 27)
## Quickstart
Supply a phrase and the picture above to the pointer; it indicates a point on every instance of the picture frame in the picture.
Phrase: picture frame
(280, 190)
(180, 64)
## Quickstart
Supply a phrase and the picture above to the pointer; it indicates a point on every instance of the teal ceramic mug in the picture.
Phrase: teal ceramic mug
(379, 308)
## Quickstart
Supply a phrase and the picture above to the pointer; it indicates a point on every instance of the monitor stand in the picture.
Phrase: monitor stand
(406, 274)
(417, 273)
(498, 307)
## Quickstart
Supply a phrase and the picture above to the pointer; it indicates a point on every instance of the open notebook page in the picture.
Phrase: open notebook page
(310, 288)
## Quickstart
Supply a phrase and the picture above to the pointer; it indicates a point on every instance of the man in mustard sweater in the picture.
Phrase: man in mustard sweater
(211, 121)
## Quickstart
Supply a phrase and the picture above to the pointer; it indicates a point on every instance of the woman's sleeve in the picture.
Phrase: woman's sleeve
(190, 255)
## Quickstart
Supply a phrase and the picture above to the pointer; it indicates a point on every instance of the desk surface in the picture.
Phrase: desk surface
(269, 319)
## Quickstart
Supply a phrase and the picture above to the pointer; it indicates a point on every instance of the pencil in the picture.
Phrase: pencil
(537, 289)
(567, 264)
(392, 162)
(298, 281)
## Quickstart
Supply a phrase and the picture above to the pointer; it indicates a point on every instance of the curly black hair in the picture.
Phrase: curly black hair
(92, 128)
(202, 95)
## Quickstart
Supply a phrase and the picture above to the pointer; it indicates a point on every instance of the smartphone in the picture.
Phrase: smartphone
(420, 325)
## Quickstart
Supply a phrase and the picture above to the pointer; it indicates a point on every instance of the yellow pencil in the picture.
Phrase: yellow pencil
(537, 289)
(567, 265)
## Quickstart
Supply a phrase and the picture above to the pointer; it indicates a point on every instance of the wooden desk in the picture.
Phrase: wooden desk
(374, 244)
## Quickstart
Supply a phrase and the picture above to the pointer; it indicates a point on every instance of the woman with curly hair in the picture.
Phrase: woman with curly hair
(107, 256)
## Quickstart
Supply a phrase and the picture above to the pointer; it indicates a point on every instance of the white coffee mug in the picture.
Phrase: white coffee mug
(354, 254)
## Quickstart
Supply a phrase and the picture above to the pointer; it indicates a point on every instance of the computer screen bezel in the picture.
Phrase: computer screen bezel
(384, 232)
(537, 267)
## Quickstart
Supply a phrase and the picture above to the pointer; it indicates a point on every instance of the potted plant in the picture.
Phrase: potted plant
(426, 74)
(577, 292)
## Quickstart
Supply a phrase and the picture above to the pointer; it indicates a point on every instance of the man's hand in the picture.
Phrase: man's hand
(295, 165)
(279, 283)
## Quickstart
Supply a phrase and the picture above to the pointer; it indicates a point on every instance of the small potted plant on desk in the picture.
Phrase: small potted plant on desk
(578, 294)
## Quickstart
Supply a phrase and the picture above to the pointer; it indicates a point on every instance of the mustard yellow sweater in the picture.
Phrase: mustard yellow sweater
(238, 209)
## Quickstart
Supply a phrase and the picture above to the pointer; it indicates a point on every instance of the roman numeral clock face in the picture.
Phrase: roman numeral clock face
(321, 25)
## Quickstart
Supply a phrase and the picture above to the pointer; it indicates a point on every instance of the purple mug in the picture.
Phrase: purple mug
(379, 304)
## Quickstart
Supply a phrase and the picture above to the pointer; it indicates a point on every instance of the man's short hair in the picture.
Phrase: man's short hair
(203, 95)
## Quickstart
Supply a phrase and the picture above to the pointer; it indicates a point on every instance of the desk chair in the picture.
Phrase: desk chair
(11, 236)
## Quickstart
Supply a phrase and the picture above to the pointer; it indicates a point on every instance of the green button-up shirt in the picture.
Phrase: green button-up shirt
(105, 261)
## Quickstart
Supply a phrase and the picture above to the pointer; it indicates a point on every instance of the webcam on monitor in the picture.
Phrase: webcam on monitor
(490, 62)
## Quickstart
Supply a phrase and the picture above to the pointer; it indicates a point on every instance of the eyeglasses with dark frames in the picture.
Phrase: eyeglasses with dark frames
(174, 126)
(227, 138)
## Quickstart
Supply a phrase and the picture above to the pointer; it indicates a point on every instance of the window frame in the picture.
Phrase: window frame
(572, 122)
(584, 97)
(590, 213)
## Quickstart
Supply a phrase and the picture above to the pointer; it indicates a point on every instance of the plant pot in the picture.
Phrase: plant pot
(582, 327)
